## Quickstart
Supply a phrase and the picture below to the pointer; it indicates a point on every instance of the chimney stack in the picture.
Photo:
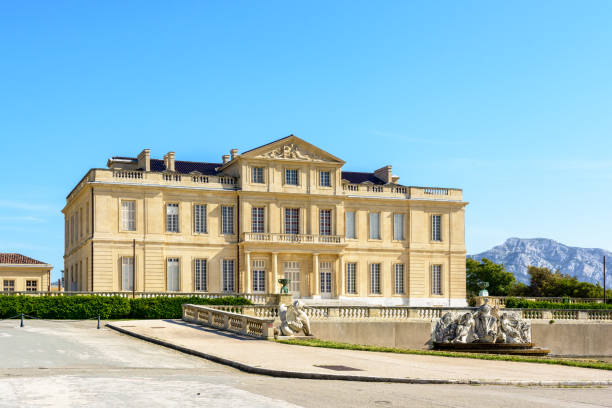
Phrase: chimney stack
(144, 160)
(169, 161)
(225, 158)
(384, 173)
(233, 153)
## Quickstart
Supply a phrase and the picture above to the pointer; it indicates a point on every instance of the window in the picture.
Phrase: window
(399, 278)
(351, 270)
(398, 227)
(324, 179)
(227, 219)
(228, 275)
(31, 286)
(127, 273)
(128, 215)
(325, 222)
(199, 219)
(9, 285)
(257, 176)
(200, 275)
(172, 269)
(350, 224)
(374, 225)
(259, 275)
(172, 217)
(436, 279)
(292, 220)
(257, 219)
(375, 278)
(66, 233)
(436, 230)
(291, 177)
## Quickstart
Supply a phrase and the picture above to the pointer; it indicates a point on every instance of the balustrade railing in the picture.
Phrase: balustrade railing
(292, 238)
(252, 326)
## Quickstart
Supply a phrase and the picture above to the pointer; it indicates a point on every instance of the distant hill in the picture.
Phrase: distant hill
(518, 254)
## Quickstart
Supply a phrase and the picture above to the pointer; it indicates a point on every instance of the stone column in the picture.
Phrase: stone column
(317, 275)
(273, 282)
(247, 273)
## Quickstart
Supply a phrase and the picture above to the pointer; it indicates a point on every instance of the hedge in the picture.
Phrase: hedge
(107, 307)
(514, 303)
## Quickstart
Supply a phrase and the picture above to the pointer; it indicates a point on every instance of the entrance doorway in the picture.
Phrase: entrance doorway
(325, 268)
(292, 272)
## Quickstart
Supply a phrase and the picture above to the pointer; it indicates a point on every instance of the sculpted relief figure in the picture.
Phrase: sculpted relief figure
(445, 329)
(513, 330)
(293, 319)
(466, 324)
(485, 327)
(290, 151)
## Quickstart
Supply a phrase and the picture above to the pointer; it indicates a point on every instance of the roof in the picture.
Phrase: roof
(267, 144)
(13, 258)
(186, 167)
(359, 177)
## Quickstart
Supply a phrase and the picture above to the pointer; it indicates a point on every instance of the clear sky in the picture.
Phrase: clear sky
(510, 101)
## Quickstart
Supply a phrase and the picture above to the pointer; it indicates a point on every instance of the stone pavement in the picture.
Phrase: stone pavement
(282, 360)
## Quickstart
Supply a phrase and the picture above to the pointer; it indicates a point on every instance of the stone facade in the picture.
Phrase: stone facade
(282, 209)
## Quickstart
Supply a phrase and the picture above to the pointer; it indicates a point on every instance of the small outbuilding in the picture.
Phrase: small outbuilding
(20, 273)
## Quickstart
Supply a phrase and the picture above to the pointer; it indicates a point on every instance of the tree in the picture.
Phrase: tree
(501, 282)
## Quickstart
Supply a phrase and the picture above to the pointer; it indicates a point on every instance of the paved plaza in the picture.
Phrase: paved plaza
(58, 363)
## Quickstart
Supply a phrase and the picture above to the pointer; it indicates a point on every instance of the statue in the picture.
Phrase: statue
(293, 319)
(445, 329)
(465, 326)
(513, 330)
(284, 289)
(486, 325)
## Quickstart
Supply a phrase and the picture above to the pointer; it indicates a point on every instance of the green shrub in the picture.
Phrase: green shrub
(107, 307)
(514, 303)
(163, 307)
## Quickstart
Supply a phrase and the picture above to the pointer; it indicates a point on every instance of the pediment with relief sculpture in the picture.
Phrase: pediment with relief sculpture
(293, 148)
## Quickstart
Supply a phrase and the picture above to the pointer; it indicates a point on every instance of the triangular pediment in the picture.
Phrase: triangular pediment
(292, 148)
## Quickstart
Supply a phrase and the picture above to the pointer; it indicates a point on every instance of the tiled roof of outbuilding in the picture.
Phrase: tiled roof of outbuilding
(359, 177)
(13, 258)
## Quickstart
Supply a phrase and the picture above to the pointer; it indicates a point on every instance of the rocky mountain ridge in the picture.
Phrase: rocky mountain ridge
(518, 254)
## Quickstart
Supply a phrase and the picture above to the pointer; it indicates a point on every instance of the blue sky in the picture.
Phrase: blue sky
(509, 101)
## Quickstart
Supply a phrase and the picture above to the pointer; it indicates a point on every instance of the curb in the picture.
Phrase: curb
(317, 376)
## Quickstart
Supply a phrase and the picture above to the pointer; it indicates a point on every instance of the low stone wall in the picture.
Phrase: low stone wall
(402, 334)
(563, 338)
(233, 322)
(573, 338)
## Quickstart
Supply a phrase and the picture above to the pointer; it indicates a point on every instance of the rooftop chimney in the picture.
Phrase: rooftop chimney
(384, 173)
(225, 158)
(144, 160)
(169, 161)
(233, 153)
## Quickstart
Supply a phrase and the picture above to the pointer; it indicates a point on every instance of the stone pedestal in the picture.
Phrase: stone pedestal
(279, 298)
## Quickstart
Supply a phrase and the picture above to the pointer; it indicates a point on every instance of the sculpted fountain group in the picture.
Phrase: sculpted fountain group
(486, 325)
(293, 319)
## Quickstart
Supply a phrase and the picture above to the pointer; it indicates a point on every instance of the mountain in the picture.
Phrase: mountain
(518, 254)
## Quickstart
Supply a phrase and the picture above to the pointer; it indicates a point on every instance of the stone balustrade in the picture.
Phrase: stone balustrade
(408, 192)
(268, 237)
(261, 328)
(405, 312)
(501, 300)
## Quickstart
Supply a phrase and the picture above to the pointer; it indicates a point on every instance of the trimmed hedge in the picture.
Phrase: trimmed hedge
(514, 303)
(107, 307)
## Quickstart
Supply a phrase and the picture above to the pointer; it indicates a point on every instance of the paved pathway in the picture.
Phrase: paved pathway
(71, 364)
(311, 362)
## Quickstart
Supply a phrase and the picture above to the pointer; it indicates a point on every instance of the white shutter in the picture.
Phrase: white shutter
(350, 224)
(398, 227)
(374, 226)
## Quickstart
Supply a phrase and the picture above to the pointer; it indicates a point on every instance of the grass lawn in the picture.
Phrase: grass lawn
(585, 363)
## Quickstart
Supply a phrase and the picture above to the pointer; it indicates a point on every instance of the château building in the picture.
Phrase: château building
(284, 209)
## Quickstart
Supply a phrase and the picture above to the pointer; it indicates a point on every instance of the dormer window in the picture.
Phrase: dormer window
(257, 175)
(324, 179)
(291, 177)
